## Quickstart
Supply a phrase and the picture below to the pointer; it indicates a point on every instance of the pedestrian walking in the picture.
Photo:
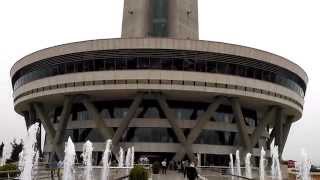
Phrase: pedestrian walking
(164, 166)
(191, 172)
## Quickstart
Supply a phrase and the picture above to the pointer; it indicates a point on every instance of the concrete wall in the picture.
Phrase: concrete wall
(182, 17)
(135, 18)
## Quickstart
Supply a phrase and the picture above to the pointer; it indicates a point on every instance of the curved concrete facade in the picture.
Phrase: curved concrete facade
(160, 43)
(295, 103)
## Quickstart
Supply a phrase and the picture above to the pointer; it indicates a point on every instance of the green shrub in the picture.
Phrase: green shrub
(138, 173)
(9, 167)
(156, 167)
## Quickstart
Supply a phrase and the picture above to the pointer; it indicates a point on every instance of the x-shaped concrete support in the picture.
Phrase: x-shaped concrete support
(201, 123)
(106, 132)
(250, 142)
(243, 130)
(132, 113)
(262, 126)
(56, 136)
(173, 122)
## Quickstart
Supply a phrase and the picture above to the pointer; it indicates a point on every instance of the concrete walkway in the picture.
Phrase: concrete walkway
(171, 175)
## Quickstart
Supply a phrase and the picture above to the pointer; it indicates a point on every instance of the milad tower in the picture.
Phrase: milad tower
(160, 89)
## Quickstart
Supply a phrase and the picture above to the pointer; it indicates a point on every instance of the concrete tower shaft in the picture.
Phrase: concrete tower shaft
(160, 18)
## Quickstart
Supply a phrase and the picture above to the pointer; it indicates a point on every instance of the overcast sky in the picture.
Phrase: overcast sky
(289, 28)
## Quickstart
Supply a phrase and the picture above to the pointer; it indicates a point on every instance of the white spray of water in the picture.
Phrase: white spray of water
(20, 163)
(275, 167)
(198, 159)
(6, 153)
(87, 160)
(304, 166)
(132, 156)
(120, 163)
(231, 164)
(68, 163)
(35, 165)
(262, 165)
(128, 162)
(238, 163)
(128, 158)
(248, 166)
(29, 151)
(106, 160)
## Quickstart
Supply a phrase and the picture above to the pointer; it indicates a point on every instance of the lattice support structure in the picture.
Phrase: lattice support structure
(273, 116)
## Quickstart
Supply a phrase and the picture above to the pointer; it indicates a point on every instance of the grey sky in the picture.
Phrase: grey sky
(289, 28)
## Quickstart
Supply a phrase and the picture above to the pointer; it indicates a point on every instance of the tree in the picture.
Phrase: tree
(16, 149)
(1, 149)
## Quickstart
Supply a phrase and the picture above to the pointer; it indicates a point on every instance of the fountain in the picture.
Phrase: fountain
(238, 163)
(198, 159)
(261, 165)
(120, 163)
(68, 163)
(248, 166)
(231, 164)
(106, 161)
(275, 167)
(35, 165)
(29, 152)
(132, 156)
(128, 158)
(87, 160)
(20, 163)
(304, 166)
(6, 154)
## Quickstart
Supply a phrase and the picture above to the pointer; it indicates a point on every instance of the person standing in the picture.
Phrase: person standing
(191, 172)
(164, 166)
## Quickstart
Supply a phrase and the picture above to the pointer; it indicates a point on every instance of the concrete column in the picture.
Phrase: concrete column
(278, 126)
(203, 119)
(262, 126)
(44, 118)
(64, 119)
(172, 120)
(27, 118)
(243, 130)
(286, 130)
(106, 132)
(201, 122)
(272, 135)
(32, 119)
(58, 143)
(132, 113)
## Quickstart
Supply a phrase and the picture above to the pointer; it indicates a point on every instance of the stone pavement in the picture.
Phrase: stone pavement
(171, 175)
